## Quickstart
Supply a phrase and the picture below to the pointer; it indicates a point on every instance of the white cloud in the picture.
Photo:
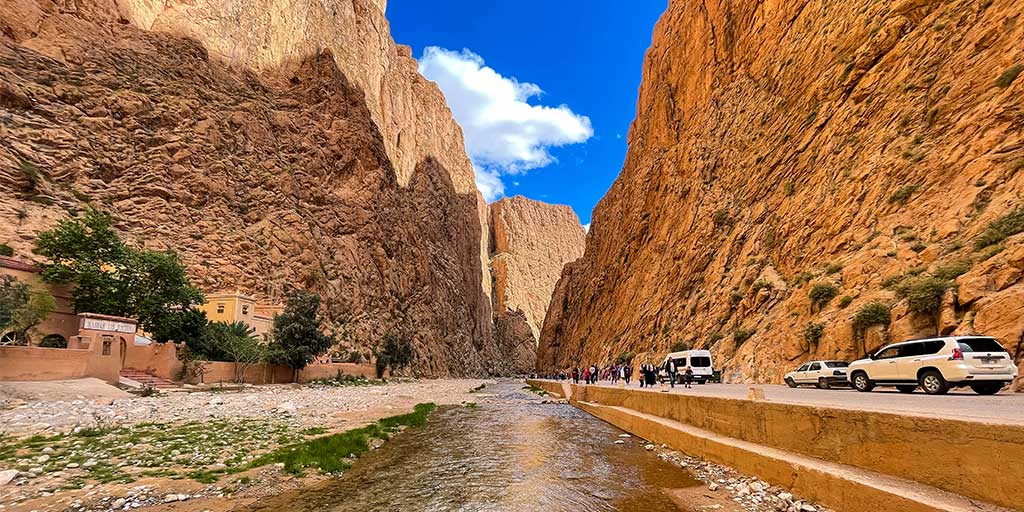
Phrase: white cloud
(489, 183)
(504, 133)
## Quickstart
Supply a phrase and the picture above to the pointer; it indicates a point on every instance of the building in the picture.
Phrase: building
(237, 307)
(62, 324)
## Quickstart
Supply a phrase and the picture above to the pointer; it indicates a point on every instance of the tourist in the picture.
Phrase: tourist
(576, 375)
(652, 375)
(670, 369)
(627, 372)
(688, 376)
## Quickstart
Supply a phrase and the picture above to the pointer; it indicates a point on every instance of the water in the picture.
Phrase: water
(510, 453)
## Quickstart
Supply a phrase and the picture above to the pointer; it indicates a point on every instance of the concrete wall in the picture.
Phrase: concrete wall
(978, 460)
(34, 363)
(159, 359)
(276, 374)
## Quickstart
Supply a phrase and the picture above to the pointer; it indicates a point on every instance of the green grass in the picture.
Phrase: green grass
(802, 278)
(952, 270)
(844, 301)
(329, 454)
(741, 335)
(6, 250)
(923, 294)
(903, 194)
(534, 389)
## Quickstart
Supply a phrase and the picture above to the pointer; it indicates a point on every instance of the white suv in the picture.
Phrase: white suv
(823, 374)
(936, 364)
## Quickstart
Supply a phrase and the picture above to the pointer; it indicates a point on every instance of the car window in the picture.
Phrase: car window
(837, 364)
(888, 353)
(911, 349)
(932, 347)
(701, 361)
(980, 345)
(802, 368)
(814, 367)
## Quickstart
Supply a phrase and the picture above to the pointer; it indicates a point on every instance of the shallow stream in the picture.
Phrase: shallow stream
(509, 453)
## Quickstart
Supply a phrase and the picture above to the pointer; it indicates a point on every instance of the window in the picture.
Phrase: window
(107, 341)
(911, 350)
(245, 309)
(220, 308)
(700, 361)
(980, 345)
(802, 368)
(888, 353)
(814, 367)
(836, 364)
(932, 347)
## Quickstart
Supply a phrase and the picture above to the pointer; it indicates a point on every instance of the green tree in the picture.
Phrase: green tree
(186, 325)
(22, 308)
(112, 278)
(394, 352)
(298, 334)
(235, 343)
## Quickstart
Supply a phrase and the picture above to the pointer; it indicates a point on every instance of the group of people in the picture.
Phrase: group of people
(624, 372)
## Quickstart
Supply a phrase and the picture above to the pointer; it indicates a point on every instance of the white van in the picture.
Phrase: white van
(698, 360)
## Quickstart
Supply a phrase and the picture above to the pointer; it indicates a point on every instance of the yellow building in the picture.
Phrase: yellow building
(236, 307)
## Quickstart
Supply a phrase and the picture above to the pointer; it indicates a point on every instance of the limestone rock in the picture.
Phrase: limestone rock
(530, 243)
(828, 144)
(298, 147)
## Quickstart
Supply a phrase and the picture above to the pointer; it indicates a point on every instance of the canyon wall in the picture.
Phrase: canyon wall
(270, 143)
(530, 242)
(809, 179)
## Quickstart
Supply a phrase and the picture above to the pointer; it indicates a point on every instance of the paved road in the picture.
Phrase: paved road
(1004, 408)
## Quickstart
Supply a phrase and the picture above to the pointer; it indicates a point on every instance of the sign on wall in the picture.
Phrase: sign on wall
(98, 324)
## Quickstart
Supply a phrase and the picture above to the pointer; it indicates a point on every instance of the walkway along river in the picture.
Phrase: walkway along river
(510, 453)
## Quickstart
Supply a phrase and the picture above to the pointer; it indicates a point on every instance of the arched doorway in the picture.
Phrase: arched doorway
(124, 349)
(54, 341)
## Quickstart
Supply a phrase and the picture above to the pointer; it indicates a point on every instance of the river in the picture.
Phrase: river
(510, 452)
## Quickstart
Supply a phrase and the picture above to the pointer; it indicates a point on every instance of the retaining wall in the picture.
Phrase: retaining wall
(977, 460)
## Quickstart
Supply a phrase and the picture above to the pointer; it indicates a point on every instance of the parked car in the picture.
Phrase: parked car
(698, 360)
(936, 365)
(823, 374)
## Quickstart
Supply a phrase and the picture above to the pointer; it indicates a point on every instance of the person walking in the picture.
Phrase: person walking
(688, 377)
(670, 369)
(627, 372)
(576, 375)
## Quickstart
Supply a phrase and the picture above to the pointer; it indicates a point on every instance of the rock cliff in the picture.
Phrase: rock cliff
(270, 143)
(809, 180)
(530, 243)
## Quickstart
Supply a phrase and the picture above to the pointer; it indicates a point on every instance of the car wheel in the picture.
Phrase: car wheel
(906, 389)
(987, 388)
(790, 382)
(862, 383)
(932, 383)
(823, 383)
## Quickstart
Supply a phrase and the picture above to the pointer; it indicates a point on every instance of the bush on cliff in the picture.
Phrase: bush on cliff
(1001, 229)
(873, 313)
(923, 294)
(822, 293)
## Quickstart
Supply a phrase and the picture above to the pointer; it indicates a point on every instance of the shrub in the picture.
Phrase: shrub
(1009, 75)
(760, 284)
(903, 194)
(918, 246)
(844, 301)
(6, 250)
(627, 357)
(741, 335)
(802, 278)
(990, 251)
(891, 281)
(872, 313)
(833, 268)
(822, 293)
(715, 337)
(1001, 229)
(813, 332)
(678, 346)
(952, 270)
(923, 294)
(789, 188)
(735, 298)
(721, 218)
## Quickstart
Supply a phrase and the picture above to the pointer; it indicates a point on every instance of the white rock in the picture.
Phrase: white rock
(624, 436)
(806, 507)
(713, 487)
(170, 497)
(785, 496)
(756, 487)
(649, 447)
(118, 503)
(619, 441)
(42, 459)
(7, 476)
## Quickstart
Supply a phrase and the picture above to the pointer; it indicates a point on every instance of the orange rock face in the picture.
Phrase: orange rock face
(788, 149)
(280, 150)
(530, 242)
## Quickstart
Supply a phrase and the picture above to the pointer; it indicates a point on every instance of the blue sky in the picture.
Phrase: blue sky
(545, 90)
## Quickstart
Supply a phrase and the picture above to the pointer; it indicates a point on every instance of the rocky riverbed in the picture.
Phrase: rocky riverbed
(162, 451)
